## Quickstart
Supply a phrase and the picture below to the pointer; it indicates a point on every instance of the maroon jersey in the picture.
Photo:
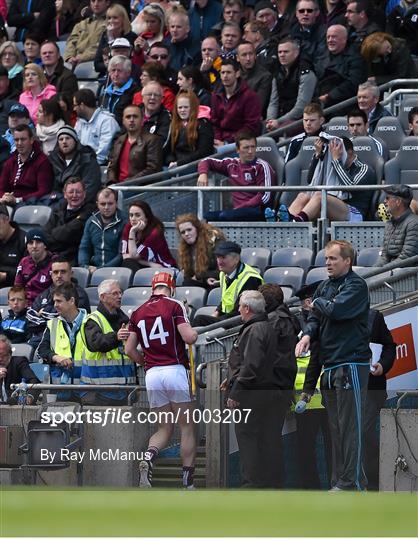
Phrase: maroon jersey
(153, 248)
(155, 325)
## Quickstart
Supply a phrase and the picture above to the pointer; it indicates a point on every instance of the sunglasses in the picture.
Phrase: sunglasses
(159, 56)
(306, 10)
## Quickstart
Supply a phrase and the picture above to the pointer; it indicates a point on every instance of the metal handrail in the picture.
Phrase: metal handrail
(277, 133)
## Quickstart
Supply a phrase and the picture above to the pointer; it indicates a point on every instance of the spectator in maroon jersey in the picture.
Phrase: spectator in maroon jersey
(161, 328)
(143, 241)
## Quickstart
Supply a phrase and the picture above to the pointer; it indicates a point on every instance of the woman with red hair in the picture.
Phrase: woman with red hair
(195, 251)
(191, 131)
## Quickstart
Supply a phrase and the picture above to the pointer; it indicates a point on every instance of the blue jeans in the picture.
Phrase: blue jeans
(238, 214)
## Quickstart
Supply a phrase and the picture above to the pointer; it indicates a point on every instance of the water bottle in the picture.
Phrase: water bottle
(21, 398)
(300, 406)
(45, 376)
(283, 214)
(269, 215)
(65, 377)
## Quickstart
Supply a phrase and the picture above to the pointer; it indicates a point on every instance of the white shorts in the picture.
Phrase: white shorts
(167, 384)
(354, 214)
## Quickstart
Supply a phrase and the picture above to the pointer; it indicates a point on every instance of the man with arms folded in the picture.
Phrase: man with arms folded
(161, 328)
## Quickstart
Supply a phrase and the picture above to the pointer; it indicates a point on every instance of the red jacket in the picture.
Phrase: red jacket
(241, 111)
(256, 173)
(36, 178)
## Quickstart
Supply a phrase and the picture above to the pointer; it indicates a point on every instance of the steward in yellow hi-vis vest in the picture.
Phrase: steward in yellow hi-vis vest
(61, 345)
(105, 361)
(313, 472)
(235, 277)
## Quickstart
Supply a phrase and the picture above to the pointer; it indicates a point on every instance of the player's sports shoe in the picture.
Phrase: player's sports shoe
(383, 213)
(145, 474)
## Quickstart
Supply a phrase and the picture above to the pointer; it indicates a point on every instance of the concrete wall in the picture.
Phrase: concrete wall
(125, 437)
(408, 421)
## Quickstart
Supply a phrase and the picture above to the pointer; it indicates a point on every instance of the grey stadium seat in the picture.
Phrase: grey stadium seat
(407, 104)
(320, 258)
(390, 130)
(214, 297)
(195, 296)
(267, 150)
(85, 70)
(369, 256)
(128, 310)
(93, 295)
(403, 168)
(23, 349)
(136, 295)
(292, 257)
(316, 274)
(366, 151)
(259, 257)
(4, 310)
(28, 217)
(82, 275)
(205, 310)
(338, 126)
(289, 277)
(143, 277)
(122, 275)
(296, 170)
(4, 291)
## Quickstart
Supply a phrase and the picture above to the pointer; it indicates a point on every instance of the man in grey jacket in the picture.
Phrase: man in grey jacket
(401, 232)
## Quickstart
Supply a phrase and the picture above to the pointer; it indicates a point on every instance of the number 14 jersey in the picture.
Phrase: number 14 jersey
(155, 324)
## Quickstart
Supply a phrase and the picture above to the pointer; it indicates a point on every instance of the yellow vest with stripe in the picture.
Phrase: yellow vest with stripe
(315, 402)
(111, 367)
(60, 344)
(230, 294)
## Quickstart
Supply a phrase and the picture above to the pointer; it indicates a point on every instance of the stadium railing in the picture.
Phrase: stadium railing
(322, 222)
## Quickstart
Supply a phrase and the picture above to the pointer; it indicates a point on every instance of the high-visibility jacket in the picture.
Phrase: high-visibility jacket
(60, 344)
(302, 363)
(111, 367)
(230, 294)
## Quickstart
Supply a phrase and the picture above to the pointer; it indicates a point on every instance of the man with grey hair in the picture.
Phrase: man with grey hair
(368, 96)
(121, 88)
(105, 332)
(253, 387)
(13, 370)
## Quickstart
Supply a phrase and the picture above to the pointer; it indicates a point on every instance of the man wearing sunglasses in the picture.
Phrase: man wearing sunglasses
(159, 52)
(310, 32)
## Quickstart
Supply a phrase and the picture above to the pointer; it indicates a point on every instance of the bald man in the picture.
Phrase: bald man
(343, 70)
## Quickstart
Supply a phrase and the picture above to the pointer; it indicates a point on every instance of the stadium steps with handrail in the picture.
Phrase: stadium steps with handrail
(167, 471)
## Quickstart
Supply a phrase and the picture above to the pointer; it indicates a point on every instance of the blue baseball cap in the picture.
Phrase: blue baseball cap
(19, 110)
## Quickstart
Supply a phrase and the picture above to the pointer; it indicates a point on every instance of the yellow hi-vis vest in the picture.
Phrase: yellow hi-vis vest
(60, 344)
(230, 294)
(112, 367)
(315, 402)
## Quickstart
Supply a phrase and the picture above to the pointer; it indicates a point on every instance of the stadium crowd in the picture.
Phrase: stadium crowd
(178, 82)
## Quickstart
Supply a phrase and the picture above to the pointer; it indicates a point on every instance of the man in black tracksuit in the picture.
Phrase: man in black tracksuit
(376, 393)
(339, 320)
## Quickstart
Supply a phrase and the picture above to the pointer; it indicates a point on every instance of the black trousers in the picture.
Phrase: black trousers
(375, 400)
(344, 392)
(309, 425)
(260, 440)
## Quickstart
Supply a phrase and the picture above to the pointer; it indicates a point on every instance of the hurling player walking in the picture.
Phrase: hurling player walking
(161, 327)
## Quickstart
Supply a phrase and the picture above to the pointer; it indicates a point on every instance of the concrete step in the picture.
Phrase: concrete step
(11, 476)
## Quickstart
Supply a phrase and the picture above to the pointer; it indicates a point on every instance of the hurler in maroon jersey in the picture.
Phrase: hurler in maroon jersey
(162, 329)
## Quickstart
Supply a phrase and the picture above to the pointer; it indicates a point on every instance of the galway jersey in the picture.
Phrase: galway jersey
(155, 325)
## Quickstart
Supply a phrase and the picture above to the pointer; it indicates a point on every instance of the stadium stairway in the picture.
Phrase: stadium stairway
(167, 471)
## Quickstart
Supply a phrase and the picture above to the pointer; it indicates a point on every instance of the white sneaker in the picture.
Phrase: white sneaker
(145, 474)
